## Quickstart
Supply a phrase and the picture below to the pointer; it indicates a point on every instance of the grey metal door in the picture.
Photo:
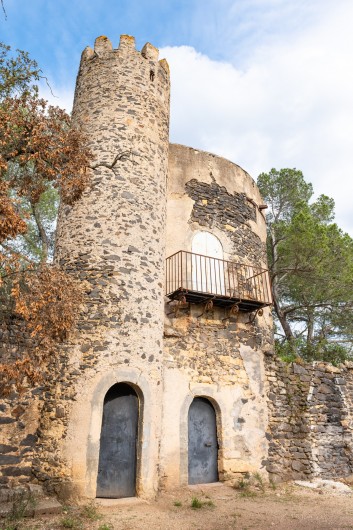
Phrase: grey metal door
(117, 456)
(203, 447)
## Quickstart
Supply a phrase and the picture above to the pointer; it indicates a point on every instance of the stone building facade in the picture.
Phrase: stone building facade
(173, 352)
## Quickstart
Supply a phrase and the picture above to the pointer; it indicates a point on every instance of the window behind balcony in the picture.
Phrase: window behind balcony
(207, 274)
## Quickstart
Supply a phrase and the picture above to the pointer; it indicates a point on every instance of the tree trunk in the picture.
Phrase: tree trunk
(310, 332)
(42, 234)
(282, 318)
(274, 281)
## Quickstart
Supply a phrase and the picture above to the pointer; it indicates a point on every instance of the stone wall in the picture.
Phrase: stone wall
(310, 420)
(113, 241)
(215, 207)
(310, 406)
(219, 358)
(19, 411)
(293, 421)
(207, 192)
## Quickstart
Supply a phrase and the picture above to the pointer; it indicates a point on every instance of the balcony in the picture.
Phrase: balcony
(199, 279)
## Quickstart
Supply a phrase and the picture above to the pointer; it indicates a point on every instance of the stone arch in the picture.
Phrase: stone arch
(202, 442)
(204, 242)
(120, 442)
(212, 396)
(207, 263)
(83, 442)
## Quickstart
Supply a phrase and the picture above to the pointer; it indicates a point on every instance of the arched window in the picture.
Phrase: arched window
(207, 244)
(207, 264)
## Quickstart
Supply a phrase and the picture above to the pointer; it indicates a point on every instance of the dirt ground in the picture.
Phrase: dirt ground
(215, 507)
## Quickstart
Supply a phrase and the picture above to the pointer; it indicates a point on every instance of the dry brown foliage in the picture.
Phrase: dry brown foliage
(38, 148)
(21, 373)
(48, 300)
(11, 223)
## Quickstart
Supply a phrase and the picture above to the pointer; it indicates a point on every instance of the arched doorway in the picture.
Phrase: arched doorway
(202, 442)
(207, 264)
(118, 443)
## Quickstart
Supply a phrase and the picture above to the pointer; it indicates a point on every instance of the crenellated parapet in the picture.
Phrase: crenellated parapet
(153, 73)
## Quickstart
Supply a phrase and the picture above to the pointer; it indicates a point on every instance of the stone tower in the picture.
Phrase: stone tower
(114, 239)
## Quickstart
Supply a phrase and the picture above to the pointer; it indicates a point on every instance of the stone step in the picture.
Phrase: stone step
(43, 506)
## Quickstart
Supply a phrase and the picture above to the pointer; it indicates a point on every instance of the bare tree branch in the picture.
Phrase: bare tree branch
(123, 155)
(3, 8)
(48, 85)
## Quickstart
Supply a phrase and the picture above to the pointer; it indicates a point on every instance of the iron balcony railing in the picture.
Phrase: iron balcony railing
(199, 277)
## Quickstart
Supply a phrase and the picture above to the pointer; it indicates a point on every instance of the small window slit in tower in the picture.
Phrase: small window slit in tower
(152, 74)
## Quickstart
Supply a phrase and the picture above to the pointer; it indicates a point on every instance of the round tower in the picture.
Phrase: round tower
(113, 239)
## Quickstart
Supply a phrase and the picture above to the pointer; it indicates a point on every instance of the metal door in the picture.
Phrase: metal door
(117, 456)
(203, 447)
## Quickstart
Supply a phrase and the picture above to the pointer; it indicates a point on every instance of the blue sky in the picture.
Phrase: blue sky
(265, 83)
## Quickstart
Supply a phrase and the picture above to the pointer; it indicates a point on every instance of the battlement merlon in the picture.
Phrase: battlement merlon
(150, 52)
(103, 46)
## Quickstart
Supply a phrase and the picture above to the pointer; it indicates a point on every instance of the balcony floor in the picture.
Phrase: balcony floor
(196, 297)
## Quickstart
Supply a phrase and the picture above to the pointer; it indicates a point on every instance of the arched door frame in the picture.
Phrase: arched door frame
(203, 465)
(216, 401)
(141, 387)
(119, 442)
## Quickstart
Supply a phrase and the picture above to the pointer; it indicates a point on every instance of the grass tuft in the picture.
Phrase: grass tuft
(272, 484)
(89, 511)
(71, 522)
(196, 503)
(259, 481)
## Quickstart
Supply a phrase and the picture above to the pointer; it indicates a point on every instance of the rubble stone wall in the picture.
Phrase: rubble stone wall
(309, 406)
(310, 420)
(19, 410)
(113, 241)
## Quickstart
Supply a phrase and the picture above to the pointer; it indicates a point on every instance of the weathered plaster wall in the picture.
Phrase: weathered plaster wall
(207, 192)
(206, 357)
(212, 355)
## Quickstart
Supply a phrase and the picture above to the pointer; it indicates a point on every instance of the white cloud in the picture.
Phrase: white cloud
(290, 106)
